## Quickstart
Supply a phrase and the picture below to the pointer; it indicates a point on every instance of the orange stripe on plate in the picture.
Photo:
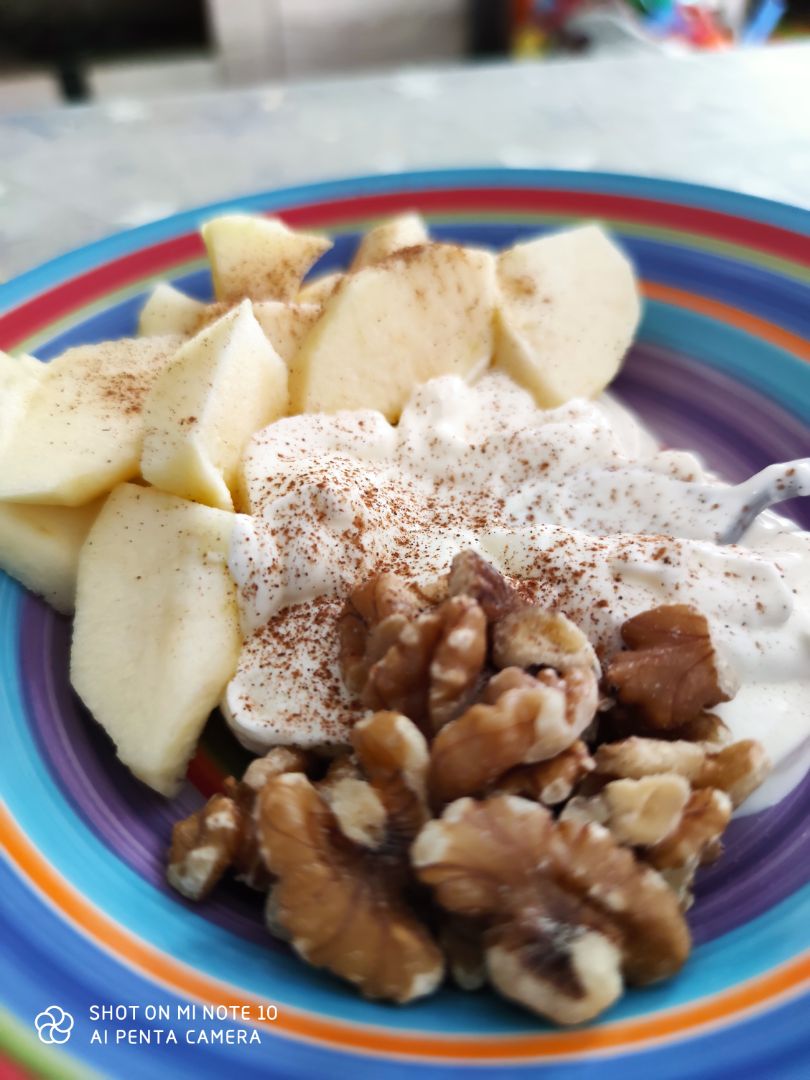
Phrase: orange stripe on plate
(716, 309)
(787, 979)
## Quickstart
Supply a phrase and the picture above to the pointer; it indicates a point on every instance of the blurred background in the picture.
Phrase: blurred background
(96, 50)
(117, 112)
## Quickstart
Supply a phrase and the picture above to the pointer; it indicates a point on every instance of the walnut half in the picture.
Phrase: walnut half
(639, 813)
(222, 835)
(432, 665)
(379, 794)
(531, 636)
(394, 756)
(536, 718)
(203, 847)
(339, 906)
(672, 670)
(570, 912)
(738, 769)
(372, 619)
(472, 576)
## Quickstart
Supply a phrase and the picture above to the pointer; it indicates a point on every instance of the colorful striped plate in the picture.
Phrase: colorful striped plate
(721, 366)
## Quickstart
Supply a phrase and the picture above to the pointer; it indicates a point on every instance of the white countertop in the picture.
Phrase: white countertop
(739, 119)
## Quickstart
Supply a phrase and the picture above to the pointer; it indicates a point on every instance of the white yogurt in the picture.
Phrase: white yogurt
(578, 499)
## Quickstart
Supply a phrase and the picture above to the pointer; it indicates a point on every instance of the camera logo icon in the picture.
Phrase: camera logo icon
(53, 1025)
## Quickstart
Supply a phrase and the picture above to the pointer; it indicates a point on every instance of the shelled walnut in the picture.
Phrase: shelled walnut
(471, 691)
(536, 719)
(372, 620)
(638, 813)
(738, 769)
(247, 863)
(472, 576)
(570, 913)
(399, 679)
(428, 671)
(458, 659)
(531, 636)
(379, 794)
(431, 664)
(339, 906)
(694, 843)
(203, 847)
(695, 838)
(221, 835)
(673, 828)
(394, 756)
(672, 669)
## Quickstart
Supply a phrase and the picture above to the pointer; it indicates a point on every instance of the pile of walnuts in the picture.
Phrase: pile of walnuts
(507, 813)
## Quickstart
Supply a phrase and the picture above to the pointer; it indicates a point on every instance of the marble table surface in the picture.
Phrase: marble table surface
(739, 119)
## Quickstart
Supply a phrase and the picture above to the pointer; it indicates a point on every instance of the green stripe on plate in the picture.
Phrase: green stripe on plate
(24, 1049)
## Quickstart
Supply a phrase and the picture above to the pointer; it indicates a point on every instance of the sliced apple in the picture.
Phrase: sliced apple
(319, 289)
(391, 236)
(285, 325)
(222, 386)
(40, 546)
(569, 308)
(424, 312)
(156, 637)
(19, 371)
(19, 379)
(169, 311)
(80, 431)
(258, 257)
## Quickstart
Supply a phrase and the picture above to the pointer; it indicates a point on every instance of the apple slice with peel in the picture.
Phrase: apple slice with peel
(222, 386)
(80, 429)
(404, 231)
(424, 312)
(258, 257)
(156, 636)
(319, 289)
(568, 311)
(40, 546)
(169, 311)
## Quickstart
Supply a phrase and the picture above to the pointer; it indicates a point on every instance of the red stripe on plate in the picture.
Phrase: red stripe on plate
(735, 230)
(35, 314)
(23, 321)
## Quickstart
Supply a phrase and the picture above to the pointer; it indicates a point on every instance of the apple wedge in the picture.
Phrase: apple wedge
(19, 379)
(222, 386)
(80, 429)
(169, 311)
(40, 546)
(156, 636)
(285, 325)
(424, 312)
(568, 311)
(407, 230)
(319, 289)
(258, 257)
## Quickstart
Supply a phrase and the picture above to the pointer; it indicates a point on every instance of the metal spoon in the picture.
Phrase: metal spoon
(773, 485)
